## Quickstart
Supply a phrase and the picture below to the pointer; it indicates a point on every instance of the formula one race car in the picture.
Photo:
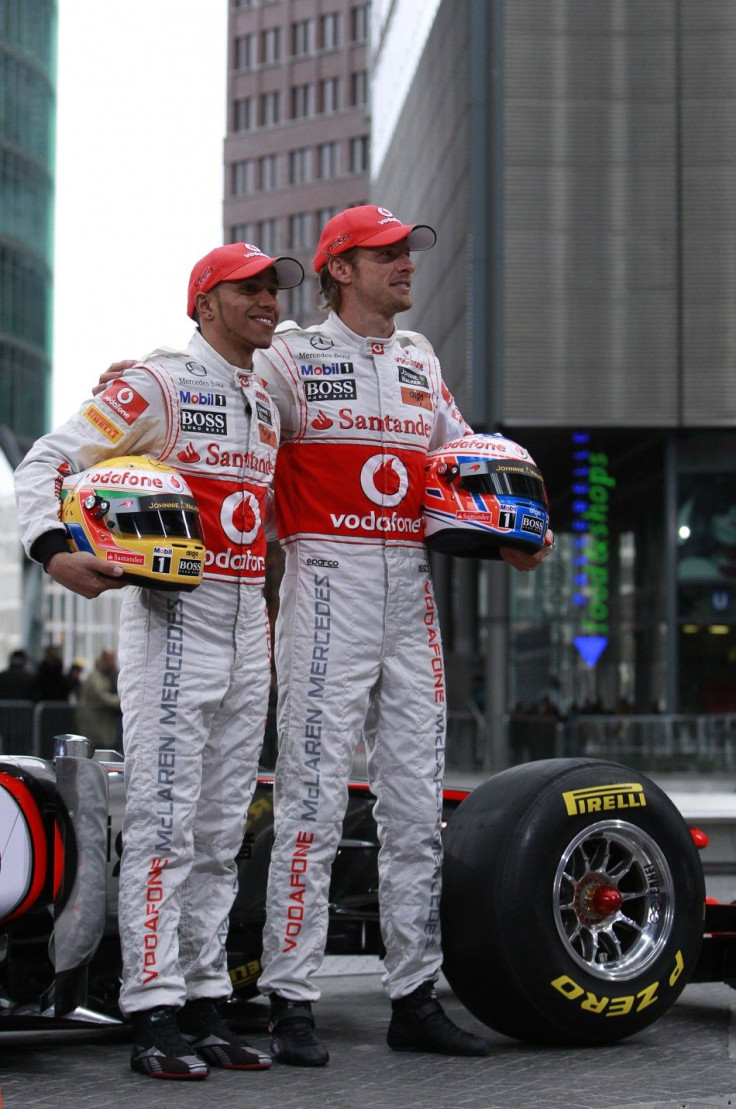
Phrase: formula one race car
(573, 908)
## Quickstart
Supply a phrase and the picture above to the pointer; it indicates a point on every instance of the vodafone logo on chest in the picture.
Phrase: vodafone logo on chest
(385, 482)
(384, 479)
(240, 517)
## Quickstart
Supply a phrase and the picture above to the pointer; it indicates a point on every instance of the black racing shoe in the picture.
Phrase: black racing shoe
(204, 1027)
(419, 1023)
(159, 1050)
(293, 1041)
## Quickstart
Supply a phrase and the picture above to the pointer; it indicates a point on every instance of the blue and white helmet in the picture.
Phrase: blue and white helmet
(483, 492)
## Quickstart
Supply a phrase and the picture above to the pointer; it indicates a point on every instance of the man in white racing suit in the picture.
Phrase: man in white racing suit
(195, 666)
(358, 647)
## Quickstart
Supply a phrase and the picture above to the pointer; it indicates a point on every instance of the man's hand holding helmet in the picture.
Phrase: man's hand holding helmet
(84, 574)
(526, 562)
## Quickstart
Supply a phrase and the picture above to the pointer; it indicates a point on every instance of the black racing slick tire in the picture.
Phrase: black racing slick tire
(572, 905)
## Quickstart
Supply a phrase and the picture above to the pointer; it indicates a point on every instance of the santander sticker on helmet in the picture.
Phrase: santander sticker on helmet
(140, 514)
(484, 492)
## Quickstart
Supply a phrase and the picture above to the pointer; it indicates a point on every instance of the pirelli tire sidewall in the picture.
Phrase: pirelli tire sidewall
(506, 954)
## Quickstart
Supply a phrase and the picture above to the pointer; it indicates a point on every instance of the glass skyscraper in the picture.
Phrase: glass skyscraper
(28, 34)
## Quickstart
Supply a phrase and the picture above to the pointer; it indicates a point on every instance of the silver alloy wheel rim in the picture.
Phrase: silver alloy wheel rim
(613, 936)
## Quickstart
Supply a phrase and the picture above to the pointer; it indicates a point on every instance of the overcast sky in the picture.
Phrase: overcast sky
(141, 120)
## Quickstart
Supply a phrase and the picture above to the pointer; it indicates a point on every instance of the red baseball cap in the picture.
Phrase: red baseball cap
(233, 263)
(367, 225)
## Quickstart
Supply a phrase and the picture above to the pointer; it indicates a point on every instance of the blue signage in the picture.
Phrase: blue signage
(592, 485)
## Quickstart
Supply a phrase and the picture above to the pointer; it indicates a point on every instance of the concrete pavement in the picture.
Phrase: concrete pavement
(686, 1060)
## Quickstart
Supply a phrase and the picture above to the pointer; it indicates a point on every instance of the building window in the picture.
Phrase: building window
(270, 108)
(358, 89)
(302, 38)
(330, 30)
(323, 216)
(329, 92)
(359, 148)
(300, 230)
(269, 172)
(327, 160)
(302, 101)
(271, 45)
(245, 114)
(359, 23)
(245, 52)
(300, 166)
(243, 179)
(268, 236)
(242, 233)
(298, 301)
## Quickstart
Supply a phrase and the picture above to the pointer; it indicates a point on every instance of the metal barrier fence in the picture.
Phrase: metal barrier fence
(29, 727)
(686, 743)
(465, 731)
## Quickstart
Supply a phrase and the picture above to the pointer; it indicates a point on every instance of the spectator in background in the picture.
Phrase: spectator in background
(74, 681)
(546, 707)
(98, 716)
(17, 683)
(51, 683)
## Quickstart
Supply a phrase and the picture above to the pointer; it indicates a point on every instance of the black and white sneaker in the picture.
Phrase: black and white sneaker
(159, 1050)
(293, 1041)
(204, 1027)
(419, 1023)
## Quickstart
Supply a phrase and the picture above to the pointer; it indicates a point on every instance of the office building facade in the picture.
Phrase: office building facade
(578, 161)
(27, 120)
(298, 126)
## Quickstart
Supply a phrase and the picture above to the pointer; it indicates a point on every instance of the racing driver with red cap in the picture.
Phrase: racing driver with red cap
(195, 670)
(358, 648)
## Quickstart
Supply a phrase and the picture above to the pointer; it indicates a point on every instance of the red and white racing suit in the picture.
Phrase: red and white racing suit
(195, 667)
(358, 647)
